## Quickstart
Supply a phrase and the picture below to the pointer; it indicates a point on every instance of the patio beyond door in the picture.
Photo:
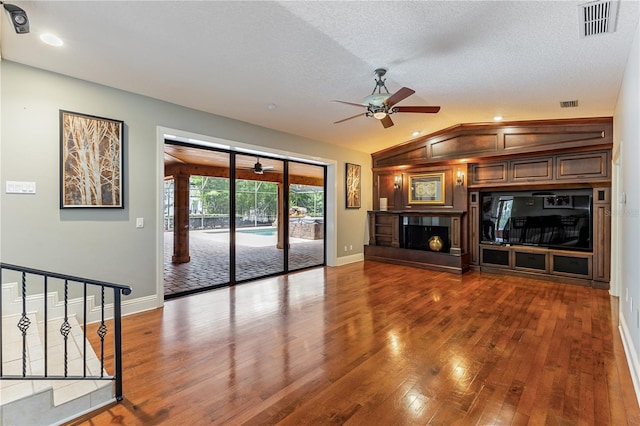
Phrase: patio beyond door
(277, 223)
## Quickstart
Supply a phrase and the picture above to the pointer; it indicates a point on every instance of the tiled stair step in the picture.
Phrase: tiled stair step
(37, 402)
(12, 303)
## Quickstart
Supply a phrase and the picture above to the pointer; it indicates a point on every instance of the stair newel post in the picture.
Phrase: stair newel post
(117, 319)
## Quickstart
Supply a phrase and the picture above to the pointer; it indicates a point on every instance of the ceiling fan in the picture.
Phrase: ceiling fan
(381, 105)
(259, 168)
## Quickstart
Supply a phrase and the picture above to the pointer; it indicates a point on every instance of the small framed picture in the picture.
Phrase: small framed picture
(353, 185)
(557, 202)
(426, 188)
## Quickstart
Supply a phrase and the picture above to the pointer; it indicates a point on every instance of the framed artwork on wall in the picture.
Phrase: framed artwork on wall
(353, 185)
(90, 161)
(426, 188)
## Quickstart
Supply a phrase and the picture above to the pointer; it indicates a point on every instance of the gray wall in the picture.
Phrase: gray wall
(105, 244)
(626, 215)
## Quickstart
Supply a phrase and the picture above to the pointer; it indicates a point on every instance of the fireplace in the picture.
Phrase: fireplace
(416, 231)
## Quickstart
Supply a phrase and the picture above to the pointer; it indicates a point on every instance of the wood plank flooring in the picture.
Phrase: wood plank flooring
(378, 344)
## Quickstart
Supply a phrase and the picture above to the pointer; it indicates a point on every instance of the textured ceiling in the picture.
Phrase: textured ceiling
(475, 59)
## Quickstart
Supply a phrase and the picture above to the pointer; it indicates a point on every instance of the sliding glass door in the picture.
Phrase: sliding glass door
(259, 206)
(306, 215)
(232, 217)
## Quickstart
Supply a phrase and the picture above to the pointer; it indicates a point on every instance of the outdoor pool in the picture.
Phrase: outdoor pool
(259, 231)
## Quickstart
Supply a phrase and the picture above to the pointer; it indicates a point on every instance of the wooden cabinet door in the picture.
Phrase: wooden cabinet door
(571, 264)
(531, 260)
(489, 173)
(587, 166)
(531, 170)
(495, 256)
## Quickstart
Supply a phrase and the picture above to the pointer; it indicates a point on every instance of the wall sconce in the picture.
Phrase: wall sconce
(460, 178)
(397, 180)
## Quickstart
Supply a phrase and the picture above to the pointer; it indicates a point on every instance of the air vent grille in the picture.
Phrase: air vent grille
(569, 104)
(598, 17)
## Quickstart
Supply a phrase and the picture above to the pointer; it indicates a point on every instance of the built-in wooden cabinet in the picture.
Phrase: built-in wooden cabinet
(384, 229)
(558, 169)
(476, 158)
(389, 239)
(535, 261)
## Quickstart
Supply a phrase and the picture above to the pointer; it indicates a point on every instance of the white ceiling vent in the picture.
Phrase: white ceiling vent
(598, 17)
(569, 104)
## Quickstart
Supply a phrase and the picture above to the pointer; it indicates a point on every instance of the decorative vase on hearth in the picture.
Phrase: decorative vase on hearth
(435, 243)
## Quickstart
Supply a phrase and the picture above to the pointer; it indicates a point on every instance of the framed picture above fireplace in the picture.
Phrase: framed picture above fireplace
(426, 188)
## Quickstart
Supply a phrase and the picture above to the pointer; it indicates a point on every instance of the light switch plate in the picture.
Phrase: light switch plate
(15, 187)
(139, 222)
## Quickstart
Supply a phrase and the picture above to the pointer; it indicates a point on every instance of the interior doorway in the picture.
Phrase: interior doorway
(232, 217)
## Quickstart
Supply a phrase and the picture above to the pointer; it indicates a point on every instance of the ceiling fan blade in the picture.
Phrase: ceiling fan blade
(350, 118)
(401, 94)
(422, 109)
(386, 122)
(351, 103)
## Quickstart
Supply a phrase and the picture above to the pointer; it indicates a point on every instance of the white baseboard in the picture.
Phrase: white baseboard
(345, 260)
(140, 304)
(631, 354)
(12, 305)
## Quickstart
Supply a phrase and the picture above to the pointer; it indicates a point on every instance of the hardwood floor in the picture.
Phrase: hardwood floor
(373, 343)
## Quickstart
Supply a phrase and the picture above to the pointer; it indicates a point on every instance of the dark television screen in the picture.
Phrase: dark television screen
(557, 219)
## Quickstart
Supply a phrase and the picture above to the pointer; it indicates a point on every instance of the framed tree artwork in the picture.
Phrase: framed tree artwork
(353, 185)
(90, 161)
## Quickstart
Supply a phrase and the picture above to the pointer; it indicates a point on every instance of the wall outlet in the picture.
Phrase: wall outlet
(350, 247)
(345, 248)
(630, 305)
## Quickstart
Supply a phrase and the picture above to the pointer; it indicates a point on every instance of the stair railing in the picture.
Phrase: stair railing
(42, 286)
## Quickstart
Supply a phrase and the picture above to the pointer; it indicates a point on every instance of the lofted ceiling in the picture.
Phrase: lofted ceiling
(280, 64)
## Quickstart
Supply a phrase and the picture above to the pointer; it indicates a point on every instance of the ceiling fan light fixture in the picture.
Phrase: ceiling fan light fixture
(380, 115)
(377, 99)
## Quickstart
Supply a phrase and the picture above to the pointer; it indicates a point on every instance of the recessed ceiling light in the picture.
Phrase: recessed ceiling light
(497, 118)
(415, 133)
(51, 39)
(272, 106)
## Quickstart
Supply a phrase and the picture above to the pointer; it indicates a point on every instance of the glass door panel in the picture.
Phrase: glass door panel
(306, 215)
(259, 240)
(198, 258)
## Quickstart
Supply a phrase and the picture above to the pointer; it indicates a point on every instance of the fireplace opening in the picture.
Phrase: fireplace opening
(417, 231)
